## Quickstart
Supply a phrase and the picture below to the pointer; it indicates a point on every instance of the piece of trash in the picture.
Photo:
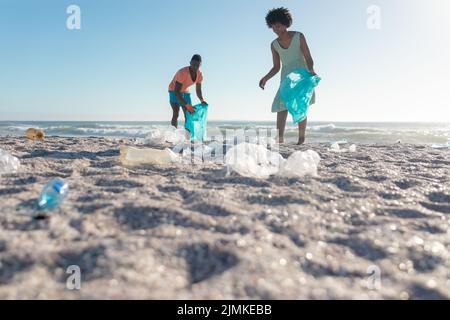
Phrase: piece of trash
(53, 195)
(343, 141)
(253, 160)
(35, 134)
(162, 135)
(300, 163)
(196, 123)
(134, 157)
(8, 163)
(335, 147)
(296, 91)
(256, 161)
(441, 146)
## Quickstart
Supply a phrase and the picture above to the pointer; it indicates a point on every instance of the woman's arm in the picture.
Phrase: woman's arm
(275, 69)
(305, 49)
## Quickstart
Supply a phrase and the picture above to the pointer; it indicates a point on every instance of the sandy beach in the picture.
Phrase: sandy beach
(192, 232)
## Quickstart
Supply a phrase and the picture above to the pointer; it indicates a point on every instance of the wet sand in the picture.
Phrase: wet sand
(192, 232)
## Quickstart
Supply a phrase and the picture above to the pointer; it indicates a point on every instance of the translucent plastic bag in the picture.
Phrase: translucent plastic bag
(196, 122)
(296, 92)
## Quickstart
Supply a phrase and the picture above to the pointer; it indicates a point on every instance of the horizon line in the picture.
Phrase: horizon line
(230, 120)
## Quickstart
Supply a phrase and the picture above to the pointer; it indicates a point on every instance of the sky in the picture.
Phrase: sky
(119, 64)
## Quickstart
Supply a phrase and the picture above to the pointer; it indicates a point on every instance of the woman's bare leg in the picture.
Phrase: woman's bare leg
(301, 131)
(281, 124)
(176, 112)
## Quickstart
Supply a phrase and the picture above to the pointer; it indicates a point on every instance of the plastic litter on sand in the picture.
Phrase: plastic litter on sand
(256, 161)
(163, 135)
(8, 163)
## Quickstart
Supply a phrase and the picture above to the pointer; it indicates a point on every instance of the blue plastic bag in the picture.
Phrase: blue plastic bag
(196, 122)
(296, 91)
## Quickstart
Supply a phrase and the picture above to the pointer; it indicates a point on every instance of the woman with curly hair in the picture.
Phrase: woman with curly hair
(289, 51)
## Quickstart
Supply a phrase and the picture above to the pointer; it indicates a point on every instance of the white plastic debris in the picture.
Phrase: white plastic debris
(256, 161)
(253, 160)
(335, 147)
(164, 134)
(441, 146)
(300, 163)
(8, 163)
(130, 156)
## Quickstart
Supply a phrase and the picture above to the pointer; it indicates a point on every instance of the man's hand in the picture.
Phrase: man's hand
(190, 108)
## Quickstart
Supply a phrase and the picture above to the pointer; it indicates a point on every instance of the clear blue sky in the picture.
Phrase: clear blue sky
(118, 66)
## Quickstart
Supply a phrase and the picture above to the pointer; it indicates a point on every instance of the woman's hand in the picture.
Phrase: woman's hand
(262, 83)
(313, 72)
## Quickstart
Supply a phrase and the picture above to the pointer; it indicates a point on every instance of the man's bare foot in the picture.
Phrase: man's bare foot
(301, 141)
(281, 140)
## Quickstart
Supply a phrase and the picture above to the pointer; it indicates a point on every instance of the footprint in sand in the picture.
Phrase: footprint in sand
(205, 262)
(92, 262)
(12, 265)
(439, 197)
(362, 248)
(390, 196)
(121, 183)
(407, 213)
(440, 202)
(424, 262)
(406, 183)
(436, 207)
(419, 292)
(10, 191)
(345, 184)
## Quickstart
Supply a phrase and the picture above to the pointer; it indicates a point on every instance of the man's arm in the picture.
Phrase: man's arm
(178, 94)
(198, 89)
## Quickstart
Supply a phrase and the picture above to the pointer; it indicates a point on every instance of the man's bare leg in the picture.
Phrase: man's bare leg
(176, 112)
(301, 131)
(281, 124)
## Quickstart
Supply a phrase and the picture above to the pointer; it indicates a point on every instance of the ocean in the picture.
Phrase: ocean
(355, 132)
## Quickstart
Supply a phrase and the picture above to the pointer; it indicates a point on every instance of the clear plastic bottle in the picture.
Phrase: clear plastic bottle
(133, 157)
(8, 163)
(53, 194)
(35, 134)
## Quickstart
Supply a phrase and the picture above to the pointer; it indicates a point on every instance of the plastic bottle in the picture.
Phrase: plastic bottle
(35, 134)
(8, 163)
(133, 157)
(53, 194)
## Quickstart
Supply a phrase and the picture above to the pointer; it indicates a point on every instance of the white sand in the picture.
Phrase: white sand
(191, 232)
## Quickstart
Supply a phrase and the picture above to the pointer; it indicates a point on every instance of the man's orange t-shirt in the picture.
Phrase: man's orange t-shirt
(183, 76)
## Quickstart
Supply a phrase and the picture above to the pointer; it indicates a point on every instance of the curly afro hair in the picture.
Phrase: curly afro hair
(280, 15)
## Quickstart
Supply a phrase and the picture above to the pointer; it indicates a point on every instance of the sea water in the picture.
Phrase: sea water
(354, 132)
